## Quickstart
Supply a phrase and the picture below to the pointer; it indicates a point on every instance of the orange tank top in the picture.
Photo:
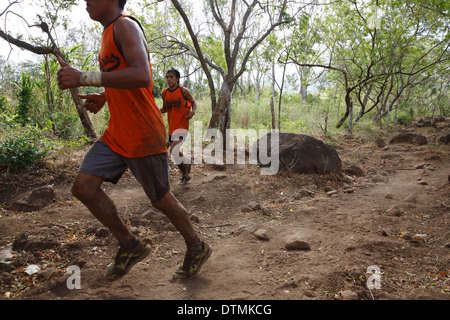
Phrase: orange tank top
(177, 108)
(136, 127)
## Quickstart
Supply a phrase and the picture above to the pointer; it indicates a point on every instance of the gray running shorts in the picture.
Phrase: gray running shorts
(152, 172)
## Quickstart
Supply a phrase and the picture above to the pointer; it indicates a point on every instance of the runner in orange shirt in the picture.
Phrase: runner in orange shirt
(180, 107)
(135, 138)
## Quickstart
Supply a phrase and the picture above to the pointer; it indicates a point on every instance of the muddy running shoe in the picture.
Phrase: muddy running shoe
(125, 260)
(193, 261)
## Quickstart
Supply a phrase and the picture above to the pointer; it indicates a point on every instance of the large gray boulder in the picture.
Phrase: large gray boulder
(302, 154)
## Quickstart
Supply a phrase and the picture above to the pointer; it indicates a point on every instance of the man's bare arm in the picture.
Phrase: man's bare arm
(131, 40)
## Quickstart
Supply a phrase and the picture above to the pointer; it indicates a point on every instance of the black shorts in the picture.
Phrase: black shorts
(152, 172)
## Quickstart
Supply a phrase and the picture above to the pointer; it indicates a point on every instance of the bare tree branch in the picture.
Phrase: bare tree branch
(25, 45)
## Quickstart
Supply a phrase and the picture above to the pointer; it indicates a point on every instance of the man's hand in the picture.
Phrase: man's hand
(190, 114)
(94, 102)
(68, 77)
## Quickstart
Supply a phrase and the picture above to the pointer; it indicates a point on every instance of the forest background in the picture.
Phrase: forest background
(322, 68)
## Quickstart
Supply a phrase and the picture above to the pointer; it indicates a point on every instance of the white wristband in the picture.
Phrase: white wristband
(91, 78)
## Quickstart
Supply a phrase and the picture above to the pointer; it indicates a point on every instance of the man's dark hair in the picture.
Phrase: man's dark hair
(175, 72)
(122, 4)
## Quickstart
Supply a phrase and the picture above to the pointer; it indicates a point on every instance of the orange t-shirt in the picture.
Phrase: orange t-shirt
(136, 127)
(177, 108)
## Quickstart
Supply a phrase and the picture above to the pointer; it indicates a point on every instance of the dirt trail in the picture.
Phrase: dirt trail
(400, 225)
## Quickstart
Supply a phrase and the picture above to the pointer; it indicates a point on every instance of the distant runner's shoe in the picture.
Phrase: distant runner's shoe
(193, 261)
(185, 170)
(184, 180)
(125, 260)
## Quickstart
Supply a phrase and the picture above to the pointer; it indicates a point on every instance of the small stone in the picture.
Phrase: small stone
(420, 166)
(422, 182)
(410, 198)
(261, 234)
(303, 194)
(256, 207)
(378, 178)
(266, 211)
(332, 193)
(198, 200)
(396, 211)
(194, 218)
(407, 235)
(47, 273)
(354, 170)
(135, 231)
(297, 244)
(154, 215)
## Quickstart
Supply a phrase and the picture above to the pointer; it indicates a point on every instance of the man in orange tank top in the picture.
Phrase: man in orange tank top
(180, 107)
(135, 138)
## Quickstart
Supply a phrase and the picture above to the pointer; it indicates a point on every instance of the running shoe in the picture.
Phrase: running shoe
(193, 261)
(126, 259)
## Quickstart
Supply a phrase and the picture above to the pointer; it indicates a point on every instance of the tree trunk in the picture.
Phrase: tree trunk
(257, 83)
(304, 93)
(281, 96)
(221, 115)
(303, 86)
(272, 99)
(47, 94)
(349, 104)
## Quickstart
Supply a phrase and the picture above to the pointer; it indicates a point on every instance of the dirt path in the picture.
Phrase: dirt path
(400, 225)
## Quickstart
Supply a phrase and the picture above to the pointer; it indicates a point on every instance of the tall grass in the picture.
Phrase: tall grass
(317, 117)
(296, 117)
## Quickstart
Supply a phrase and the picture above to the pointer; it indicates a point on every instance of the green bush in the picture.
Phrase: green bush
(25, 97)
(24, 150)
(67, 125)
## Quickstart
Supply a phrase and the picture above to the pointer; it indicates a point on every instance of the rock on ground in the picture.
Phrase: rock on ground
(301, 154)
(412, 138)
(33, 200)
(297, 243)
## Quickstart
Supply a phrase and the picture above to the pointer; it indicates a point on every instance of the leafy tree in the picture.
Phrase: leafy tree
(49, 18)
(235, 22)
(380, 57)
